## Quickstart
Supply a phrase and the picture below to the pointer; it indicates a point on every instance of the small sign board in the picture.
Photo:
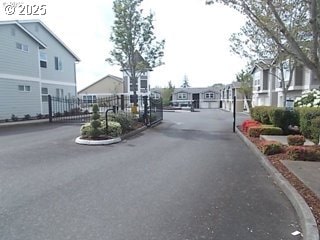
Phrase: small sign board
(289, 104)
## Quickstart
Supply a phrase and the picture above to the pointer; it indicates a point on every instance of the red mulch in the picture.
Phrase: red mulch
(311, 199)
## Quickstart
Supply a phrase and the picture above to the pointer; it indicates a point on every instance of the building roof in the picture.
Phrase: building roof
(17, 23)
(263, 64)
(20, 23)
(196, 90)
(101, 79)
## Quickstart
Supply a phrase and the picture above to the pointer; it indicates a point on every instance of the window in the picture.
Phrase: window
(43, 60)
(131, 85)
(209, 95)
(90, 99)
(24, 88)
(182, 96)
(44, 93)
(143, 77)
(144, 84)
(59, 93)
(22, 47)
(57, 64)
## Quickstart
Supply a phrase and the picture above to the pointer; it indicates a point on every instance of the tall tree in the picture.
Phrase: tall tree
(167, 94)
(135, 46)
(271, 17)
(185, 83)
(255, 45)
(245, 78)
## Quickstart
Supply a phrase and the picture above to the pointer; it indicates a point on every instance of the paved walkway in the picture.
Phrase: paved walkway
(307, 172)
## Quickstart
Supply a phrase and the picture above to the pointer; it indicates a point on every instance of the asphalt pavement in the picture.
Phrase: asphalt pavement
(190, 177)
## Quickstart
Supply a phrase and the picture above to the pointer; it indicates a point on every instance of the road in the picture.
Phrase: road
(188, 178)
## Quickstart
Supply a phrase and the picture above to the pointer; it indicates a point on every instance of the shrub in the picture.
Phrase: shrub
(271, 131)
(309, 98)
(315, 129)
(304, 153)
(282, 118)
(95, 123)
(271, 147)
(85, 130)
(306, 115)
(261, 114)
(39, 116)
(114, 128)
(27, 117)
(296, 140)
(254, 131)
(249, 123)
(126, 120)
(14, 118)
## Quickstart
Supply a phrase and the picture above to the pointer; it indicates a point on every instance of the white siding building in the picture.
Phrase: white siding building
(34, 63)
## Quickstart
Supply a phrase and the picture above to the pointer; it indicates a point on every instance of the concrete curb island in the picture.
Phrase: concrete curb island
(110, 141)
(306, 218)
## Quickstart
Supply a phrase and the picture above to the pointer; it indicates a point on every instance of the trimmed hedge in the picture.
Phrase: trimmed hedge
(256, 131)
(271, 147)
(304, 153)
(249, 123)
(296, 140)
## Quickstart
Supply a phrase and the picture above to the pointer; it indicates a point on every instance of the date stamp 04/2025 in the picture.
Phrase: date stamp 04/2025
(23, 9)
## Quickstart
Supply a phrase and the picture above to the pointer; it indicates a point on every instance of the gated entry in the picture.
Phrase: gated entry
(76, 110)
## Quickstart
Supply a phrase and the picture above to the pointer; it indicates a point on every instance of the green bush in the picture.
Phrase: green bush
(315, 129)
(304, 153)
(126, 120)
(271, 148)
(306, 115)
(256, 131)
(114, 128)
(282, 118)
(14, 118)
(261, 114)
(95, 123)
(271, 131)
(296, 140)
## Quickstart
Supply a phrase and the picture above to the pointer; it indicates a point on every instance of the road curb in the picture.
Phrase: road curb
(134, 132)
(306, 218)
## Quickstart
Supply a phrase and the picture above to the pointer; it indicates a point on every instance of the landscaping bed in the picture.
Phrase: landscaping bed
(311, 199)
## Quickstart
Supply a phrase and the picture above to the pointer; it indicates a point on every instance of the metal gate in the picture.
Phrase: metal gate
(76, 110)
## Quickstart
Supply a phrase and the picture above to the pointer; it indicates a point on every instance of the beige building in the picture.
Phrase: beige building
(106, 86)
(227, 94)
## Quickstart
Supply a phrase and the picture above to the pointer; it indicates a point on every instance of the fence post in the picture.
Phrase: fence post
(122, 102)
(145, 111)
(50, 107)
(234, 113)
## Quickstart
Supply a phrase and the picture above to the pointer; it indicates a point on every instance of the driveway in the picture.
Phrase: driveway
(188, 178)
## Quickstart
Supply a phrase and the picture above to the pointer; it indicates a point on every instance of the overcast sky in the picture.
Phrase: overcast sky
(196, 38)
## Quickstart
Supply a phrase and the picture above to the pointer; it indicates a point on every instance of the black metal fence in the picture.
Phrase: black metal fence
(76, 110)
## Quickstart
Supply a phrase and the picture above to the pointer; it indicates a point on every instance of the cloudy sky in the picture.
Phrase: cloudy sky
(196, 38)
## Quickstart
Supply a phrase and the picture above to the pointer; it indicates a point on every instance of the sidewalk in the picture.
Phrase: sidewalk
(27, 122)
(307, 172)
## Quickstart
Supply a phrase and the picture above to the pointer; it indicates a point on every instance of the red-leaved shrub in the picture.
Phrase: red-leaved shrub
(304, 153)
(296, 140)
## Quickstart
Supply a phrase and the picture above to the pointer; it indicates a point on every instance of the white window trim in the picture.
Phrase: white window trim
(182, 96)
(24, 88)
(24, 47)
(43, 59)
